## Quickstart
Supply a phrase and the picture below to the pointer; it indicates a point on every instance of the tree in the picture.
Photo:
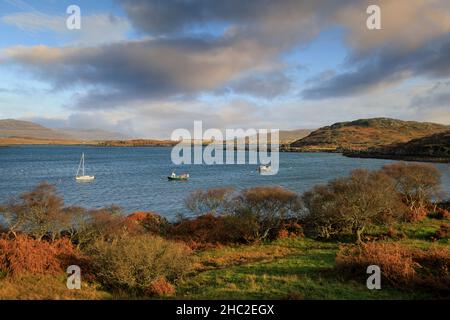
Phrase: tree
(213, 201)
(37, 213)
(103, 224)
(352, 204)
(266, 208)
(417, 183)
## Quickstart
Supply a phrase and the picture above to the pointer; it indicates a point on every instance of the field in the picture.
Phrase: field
(290, 268)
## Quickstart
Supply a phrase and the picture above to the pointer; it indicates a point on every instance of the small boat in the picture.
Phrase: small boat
(174, 177)
(264, 169)
(83, 177)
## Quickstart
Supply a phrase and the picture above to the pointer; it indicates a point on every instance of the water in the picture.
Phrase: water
(136, 178)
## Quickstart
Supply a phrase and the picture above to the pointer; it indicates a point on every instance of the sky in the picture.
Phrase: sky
(148, 67)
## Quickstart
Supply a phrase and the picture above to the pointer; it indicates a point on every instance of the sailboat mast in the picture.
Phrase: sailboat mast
(83, 164)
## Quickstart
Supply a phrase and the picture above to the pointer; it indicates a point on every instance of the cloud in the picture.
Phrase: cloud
(437, 96)
(96, 29)
(282, 22)
(406, 24)
(385, 68)
(142, 69)
(243, 54)
(414, 42)
(267, 85)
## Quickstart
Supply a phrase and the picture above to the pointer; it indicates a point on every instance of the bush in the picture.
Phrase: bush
(402, 267)
(203, 230)
(134, 263)
(24, 255)
(417, 183)
(160, 287)
(351, 205)
(212, 201)
(150, 222)
(443, 232)
(102, 224)
(263, 210)
(396, 262)
(37, 213)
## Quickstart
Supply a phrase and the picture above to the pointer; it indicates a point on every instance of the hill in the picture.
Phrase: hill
(26, 129)
(26, 132)
(434, 148)
(289, 136)
(364, 134)
(91, 134)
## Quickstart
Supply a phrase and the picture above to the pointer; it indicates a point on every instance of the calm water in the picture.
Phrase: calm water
(135, 178)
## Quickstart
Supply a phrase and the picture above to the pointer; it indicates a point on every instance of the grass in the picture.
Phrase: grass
(46, 287)
(304, 272)
(294, 269)
(291, 268)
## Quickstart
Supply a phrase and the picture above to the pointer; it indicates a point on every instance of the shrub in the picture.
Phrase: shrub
(102, 224)
(401, 266)
(134, 263)
(37, 213)
(290, 229)
(209, 230)
(394, 260)
(443, 232)
(438, 213)
(160, 287)
(352, 204)
(26, 255)
(262, 210)
(417, 183)
(150, 222)
(212, 201)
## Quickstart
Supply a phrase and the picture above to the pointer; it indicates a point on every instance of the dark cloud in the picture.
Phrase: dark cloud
(385, 67)
(279, 21)
(268, 85)
(145, 69)
(174, 62)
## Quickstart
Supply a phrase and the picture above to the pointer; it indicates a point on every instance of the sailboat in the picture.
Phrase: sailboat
(83, 177)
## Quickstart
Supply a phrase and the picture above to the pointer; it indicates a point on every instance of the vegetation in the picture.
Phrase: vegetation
(352, 205)
(435, 147)
(364, 134)
(139, 264)
(240, 244)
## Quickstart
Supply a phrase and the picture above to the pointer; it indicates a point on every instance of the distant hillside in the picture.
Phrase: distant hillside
(289, 136)
(366, 133)
(431, 148)
(25, 129)
(91, 134)
(138, 143)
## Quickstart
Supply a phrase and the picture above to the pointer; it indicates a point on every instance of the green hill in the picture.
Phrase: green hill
(365, 133)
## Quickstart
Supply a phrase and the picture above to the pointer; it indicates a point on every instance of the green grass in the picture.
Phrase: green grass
(306, 272)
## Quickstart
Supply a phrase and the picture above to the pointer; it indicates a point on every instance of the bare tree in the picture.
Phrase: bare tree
(37, 213)
(418, 184)
(213, 201)
(266, 208)
(352, 204)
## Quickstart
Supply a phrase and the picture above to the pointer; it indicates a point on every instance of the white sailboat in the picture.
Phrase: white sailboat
(83, 176)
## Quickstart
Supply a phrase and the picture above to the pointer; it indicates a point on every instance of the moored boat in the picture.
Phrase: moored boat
(174, 177)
